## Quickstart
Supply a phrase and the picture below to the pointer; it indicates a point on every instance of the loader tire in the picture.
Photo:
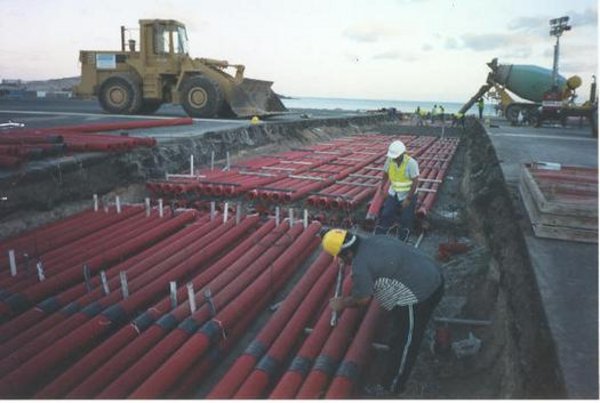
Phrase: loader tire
(120, 94)
(201, 97)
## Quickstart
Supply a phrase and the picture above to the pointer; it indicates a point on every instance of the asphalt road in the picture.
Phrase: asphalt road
(567, 272)
(52, 112)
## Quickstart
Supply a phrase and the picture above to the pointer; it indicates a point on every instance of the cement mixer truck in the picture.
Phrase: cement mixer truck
(548, 102)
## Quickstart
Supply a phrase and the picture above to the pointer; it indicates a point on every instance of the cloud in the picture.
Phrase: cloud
(587, 17)
(427, 47)
(483, 42)
(369, 32)
(395, 55)
(451, 43)
(540, 25)
(529, 24)
(518, 53)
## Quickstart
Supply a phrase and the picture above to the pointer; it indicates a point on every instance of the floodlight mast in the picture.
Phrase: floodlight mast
(557, 27)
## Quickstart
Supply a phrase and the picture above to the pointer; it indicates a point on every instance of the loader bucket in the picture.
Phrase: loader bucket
(255, 98)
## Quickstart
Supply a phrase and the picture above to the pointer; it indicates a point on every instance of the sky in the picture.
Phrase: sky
(421, 50)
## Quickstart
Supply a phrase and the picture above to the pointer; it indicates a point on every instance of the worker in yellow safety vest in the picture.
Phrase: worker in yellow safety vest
(458, 118)
(399, 206)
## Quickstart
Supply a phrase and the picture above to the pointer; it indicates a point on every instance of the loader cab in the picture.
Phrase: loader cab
(169, 38)
(163, 38)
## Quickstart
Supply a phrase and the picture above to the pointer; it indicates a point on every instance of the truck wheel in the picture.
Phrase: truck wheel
(120, 94)
(201, 97)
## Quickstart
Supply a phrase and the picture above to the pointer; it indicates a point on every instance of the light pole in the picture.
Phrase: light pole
(557, 27)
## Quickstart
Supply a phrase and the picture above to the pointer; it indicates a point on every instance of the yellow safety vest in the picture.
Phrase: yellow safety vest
(399, 181)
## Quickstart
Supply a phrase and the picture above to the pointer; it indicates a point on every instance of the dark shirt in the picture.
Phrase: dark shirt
(394, 272)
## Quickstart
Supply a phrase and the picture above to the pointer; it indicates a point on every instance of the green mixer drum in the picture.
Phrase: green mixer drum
(527, 81)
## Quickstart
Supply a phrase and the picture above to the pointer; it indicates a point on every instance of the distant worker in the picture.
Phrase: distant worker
(480, 106)
(403, 280)
(458, 118)
(419, 116)
(434, 113)
(399, 205)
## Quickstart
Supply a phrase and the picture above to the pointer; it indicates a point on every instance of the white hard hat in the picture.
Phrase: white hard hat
(396, 149)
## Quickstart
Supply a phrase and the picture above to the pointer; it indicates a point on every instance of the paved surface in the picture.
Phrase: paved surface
(567, 272)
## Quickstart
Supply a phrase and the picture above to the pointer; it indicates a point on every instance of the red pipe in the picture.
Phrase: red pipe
(194, 376)
(264, 373)
(78, 252)
(140, 124)
(350, 370)
(140, 272)
(230, 284)
(31, 371)
(123, 339)
(197, 345)
(326, 363)
(68, 270)
(229, 384)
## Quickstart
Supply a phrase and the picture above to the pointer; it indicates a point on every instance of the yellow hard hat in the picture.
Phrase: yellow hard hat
(255, 120)
(333, 241)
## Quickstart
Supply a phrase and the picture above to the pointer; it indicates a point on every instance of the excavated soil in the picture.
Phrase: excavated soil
(492, 281)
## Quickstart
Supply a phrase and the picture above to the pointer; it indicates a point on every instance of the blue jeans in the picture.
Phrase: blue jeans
(392, 214)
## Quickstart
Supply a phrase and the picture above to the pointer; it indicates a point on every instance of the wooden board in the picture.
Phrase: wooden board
(557, 220)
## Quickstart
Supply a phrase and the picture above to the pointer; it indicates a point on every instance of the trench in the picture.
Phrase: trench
(494, 280)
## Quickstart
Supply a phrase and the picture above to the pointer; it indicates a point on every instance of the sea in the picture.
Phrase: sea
(348, 104)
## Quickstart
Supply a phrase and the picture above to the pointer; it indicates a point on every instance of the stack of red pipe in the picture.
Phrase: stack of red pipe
(20, 145)
(63, 266)
(243, 272)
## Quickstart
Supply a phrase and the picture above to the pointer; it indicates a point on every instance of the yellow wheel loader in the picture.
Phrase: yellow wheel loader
(132, 81)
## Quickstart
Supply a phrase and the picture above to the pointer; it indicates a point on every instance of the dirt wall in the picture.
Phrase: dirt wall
(527, 362)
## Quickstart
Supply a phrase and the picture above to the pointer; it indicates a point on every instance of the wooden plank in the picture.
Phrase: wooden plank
(538, 217)
(554, 207)
(565, 233)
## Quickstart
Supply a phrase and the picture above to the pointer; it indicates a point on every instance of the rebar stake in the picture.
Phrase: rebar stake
(40, 271)
(104, 280)
(86, 277)
(225, 212)
(13, 262)
(238, 212)
(213, 210)
(124, 286)
(191, 296)
(173, 294)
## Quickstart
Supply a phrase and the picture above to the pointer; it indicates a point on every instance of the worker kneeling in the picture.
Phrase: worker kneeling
(402, 279)
(399, 206)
